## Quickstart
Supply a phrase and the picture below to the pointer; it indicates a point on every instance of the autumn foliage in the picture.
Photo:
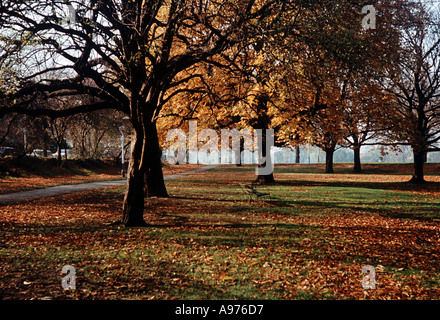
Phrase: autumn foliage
(307, 69)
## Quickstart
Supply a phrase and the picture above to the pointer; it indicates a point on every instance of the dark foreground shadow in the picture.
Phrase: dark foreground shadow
(399, 186)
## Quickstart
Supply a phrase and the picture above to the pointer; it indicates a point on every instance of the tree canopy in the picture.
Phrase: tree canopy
(126, 55)
(308, 69)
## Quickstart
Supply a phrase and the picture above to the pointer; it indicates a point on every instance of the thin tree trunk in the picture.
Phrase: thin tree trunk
(65, 155)
(297, 155)
(59, 148)
(45, 147)
(241, 151)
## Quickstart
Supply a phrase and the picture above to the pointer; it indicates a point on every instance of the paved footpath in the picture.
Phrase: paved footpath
(17, 197)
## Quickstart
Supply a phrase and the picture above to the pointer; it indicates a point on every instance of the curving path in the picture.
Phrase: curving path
(17, 197)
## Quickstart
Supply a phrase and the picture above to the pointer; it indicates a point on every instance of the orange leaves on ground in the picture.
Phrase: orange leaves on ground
(208, 241)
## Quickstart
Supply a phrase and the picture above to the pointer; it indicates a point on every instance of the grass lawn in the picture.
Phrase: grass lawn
(309, 240)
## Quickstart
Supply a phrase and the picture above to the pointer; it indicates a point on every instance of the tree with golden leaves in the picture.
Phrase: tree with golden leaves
(127, 55)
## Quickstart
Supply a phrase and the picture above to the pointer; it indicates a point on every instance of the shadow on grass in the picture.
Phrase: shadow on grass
(358, 203)
(396, 186)
(198, 198)
(178, 229)
(237, 235)
(339, 167)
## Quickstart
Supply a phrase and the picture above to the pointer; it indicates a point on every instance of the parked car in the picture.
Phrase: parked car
(8, 151)
(63, 154)
(39, 153)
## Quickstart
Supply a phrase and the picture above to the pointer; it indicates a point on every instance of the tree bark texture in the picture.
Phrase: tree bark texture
(329, 152)
(155, 184)
(133, 206)
(264, 178)
(357, 159)
(145, 175)
(419, 161)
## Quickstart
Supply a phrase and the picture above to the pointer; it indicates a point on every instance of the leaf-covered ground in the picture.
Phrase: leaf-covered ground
(29, 173)
(309, 240)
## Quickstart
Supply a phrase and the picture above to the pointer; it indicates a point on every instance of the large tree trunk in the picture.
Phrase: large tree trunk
(145, 176)
(265, 179)
(264, 153)
(133, 206)
(419, 161)
(264, 171)
(154, 182)
(329, 152)
(357, 159)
